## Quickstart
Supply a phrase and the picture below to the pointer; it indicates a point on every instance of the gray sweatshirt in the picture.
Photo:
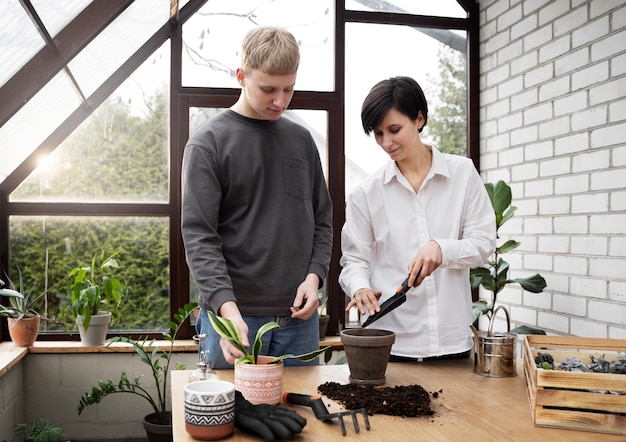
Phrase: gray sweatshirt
(256, 213)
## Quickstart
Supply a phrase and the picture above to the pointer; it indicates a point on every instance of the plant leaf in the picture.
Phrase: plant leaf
(534, 284)
(306, 357)
(480, 308)
(508, 246)
(500, 196)
(258, 343)
(227, 329)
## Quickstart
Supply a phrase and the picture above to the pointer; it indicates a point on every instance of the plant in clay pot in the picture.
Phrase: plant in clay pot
(23, 319)
(159, 362)
(95, 296)
(258, 377)
(493, 276)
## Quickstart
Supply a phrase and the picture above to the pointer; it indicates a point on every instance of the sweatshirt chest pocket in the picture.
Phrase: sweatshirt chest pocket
(296, 180)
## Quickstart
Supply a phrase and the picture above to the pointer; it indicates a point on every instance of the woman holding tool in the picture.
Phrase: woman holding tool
(425, 214)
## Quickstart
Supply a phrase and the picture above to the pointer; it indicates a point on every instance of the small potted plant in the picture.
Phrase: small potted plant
(494, 275)
(159, 362)
(23, 320)
(40, 430)
(494, 354)
(259, 378)
(95, 296)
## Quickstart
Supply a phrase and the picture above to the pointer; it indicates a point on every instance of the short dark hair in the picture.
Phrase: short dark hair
(401, 93)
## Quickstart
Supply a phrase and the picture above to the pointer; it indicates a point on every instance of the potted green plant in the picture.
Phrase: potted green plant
(23, 320)
(494, 275)
(95, 296)
(258, 378)
(159, 362)
(40, 430)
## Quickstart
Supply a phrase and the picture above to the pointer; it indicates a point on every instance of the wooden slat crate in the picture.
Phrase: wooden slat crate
(565, 399)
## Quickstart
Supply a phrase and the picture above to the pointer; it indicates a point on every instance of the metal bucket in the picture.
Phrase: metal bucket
(494, 353)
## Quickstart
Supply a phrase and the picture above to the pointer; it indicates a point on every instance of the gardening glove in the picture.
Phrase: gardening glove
(268, 421)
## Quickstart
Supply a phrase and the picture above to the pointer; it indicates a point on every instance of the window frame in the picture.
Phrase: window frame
(182, 98)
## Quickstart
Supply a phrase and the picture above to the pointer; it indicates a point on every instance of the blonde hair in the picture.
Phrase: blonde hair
(271, 50)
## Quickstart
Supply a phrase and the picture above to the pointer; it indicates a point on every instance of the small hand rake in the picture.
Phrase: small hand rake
(321, 412)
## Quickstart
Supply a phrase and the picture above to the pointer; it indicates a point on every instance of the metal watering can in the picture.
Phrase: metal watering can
(494, 353)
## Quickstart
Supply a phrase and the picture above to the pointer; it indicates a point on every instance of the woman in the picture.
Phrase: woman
(424, 214)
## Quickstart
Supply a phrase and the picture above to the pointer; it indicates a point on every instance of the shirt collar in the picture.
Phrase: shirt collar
(438, 167)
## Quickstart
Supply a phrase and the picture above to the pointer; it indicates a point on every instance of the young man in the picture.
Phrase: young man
(256, 213)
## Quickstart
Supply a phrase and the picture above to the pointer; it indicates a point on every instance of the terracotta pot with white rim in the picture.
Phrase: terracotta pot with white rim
(260, 383)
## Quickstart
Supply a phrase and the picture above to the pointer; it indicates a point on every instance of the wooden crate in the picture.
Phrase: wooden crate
(571, 400)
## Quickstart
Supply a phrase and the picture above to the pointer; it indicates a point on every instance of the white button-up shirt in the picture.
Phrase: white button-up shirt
(387, 223)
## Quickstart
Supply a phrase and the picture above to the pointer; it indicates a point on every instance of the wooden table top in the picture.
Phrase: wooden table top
(470, 407)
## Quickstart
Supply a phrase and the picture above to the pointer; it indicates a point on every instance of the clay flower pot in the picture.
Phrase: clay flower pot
(209, 409)
(367, 351)
(24, 331)
(260, 383)
(96, 333)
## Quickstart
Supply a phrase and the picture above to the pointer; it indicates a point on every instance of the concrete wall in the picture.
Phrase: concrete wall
(553, 126)
(50, 385)
(11, 400)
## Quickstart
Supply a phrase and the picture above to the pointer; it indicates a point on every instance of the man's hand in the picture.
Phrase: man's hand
(229, 310)
(306, 301)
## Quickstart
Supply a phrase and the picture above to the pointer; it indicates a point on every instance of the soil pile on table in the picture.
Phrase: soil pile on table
(402, 400)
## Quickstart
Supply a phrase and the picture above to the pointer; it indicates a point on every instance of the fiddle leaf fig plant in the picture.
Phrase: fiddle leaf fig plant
(494, 275)
(228, 330)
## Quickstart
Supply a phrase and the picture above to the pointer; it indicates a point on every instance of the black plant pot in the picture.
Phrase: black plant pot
(323, 325)
(157, 432)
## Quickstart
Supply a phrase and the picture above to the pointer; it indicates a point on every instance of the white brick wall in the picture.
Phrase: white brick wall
(553, 125)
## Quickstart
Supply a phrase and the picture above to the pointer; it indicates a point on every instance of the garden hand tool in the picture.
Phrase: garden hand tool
(394, 302)
(321, 412)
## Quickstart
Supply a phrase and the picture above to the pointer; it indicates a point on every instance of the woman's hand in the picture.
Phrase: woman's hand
(427, 260)
(365, 299)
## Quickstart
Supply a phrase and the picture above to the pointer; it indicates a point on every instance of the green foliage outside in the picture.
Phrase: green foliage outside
(447, 122)
(143, 256)
(113, 156)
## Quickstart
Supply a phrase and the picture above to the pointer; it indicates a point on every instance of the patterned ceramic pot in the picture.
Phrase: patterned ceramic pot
(209, 409)
(260, 383)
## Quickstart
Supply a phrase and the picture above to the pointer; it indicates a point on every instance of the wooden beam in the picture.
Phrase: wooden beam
(50, 60)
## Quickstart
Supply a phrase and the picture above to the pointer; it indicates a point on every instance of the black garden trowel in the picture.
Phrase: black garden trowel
(395, 301)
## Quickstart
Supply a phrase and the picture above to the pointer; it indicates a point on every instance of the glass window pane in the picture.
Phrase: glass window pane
(56, 15)
(212, 40)
(35, 121)
(119, 153)
(115, 44)
(365, 45)
(19, 40)
(440, 8)
(47, 248)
